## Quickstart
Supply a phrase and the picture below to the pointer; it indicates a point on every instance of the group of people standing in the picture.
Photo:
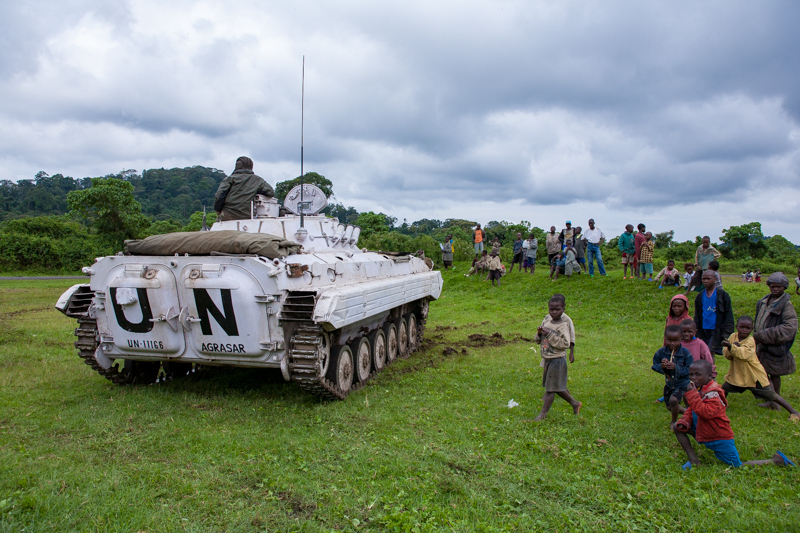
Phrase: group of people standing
(572, 250)
(759, 351)
(758, 347)
(567, 252)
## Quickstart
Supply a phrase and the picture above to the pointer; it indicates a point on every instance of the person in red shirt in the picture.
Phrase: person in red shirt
(706, 421)
(638, 239)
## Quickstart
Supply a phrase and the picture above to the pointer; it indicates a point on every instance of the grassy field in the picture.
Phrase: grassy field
(429, 445)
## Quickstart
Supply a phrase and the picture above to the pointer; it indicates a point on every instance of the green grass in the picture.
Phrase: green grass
(429, 445)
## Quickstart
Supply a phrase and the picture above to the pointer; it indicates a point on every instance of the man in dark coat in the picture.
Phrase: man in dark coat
(713, 313)
(774, 331)
(232, 201)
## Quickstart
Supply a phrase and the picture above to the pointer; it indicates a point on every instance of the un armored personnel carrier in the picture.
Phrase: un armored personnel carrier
(314, 305)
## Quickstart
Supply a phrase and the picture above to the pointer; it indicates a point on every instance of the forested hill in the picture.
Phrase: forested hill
(174, 194)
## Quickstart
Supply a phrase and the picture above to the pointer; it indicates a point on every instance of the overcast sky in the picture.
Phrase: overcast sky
(681, 115)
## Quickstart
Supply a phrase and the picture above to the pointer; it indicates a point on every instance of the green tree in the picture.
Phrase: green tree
(452, 223)
(283, 187)
(110, 208)
(55, 227)
(778, 247)
(162, 226)
(681, 252)
(495, 230)
(664, 240)
(196, 221)
(743, 242)
(371, 223)
(345, 215)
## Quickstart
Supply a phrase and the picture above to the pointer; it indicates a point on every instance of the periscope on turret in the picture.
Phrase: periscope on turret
(290, 292)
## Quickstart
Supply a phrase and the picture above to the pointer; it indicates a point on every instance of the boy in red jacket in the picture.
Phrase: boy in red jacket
(706, 421)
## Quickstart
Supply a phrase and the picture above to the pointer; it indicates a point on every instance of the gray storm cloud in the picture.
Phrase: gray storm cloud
(439, 106)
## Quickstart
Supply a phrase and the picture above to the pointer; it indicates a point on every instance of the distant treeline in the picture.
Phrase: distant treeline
(172, 194)
(39, 232)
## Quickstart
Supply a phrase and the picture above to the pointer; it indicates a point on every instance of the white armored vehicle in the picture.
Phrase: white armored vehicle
(328, 314)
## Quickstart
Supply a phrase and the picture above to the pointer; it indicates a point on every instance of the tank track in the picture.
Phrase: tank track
(305, 363)
(87, 345)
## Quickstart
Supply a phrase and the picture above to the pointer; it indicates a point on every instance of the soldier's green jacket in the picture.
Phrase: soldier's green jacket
(237, 191)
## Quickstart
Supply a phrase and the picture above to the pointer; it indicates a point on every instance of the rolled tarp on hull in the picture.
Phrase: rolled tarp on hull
(207, 242)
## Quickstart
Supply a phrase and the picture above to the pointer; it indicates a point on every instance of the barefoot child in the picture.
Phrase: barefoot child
(476, 264)
(646, 257)
(673, 360)
(671, 275)
(447, 252)
(519, 255)
(706, 421)
(554, 335)
(556, 263)
(530, 252)
(570, 261)
(494, 265)
(746, 372)
(627, 247)
(689, 278)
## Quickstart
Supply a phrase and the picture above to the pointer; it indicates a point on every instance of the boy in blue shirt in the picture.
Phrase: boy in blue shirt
(713, 313)
(673, 360)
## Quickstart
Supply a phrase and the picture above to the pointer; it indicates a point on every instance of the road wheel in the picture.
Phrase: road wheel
(402, 336)
(340, 371)
(378, 341)
(390, 330)
(413, 343)
(325, 353)
(363, 358)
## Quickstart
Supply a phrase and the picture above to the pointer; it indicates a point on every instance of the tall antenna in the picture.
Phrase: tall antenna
(302, 124)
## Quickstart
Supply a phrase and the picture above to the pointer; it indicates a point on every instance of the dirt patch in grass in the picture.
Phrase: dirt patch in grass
(21, 312)
(454, 328)
(474, 340)
(299, 508)
(461, 469)
(449, 348)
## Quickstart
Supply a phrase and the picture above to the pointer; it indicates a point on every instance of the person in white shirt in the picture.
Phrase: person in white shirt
(594, 237)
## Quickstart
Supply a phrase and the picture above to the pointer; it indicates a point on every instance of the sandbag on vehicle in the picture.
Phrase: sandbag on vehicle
(205, 242)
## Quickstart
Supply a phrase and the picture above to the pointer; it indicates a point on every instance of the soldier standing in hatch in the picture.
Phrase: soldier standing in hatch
(232, 201)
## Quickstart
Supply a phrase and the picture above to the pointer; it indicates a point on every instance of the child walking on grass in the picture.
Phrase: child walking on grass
(556, 335)
(706, 421)
(673, 360)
